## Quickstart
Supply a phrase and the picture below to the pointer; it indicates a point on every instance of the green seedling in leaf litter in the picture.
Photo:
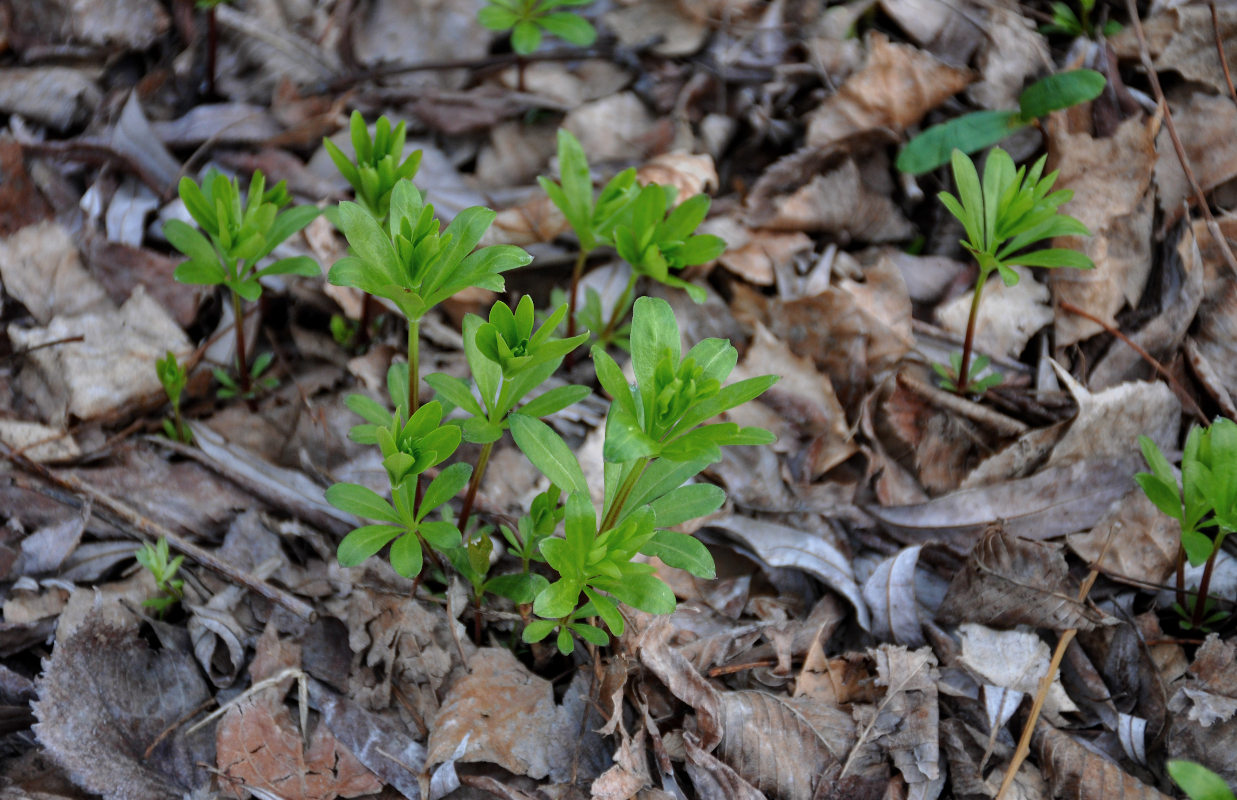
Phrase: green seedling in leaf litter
(592, 220)
(1204, 503)
(376, 165)
(155, 558)
(1198, 782)
(977, 130)
(976, 382)
(529, 19)
(415, 264)
(508, 360)
(656, 440)
(240, 233)
(1066, 22)
(1010, 211)
(174, 377)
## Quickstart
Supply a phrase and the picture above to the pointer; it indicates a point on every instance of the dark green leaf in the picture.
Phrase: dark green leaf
(1062, 90)
(406, 556)
(554, 400)
(682, 552)
(364, 542)
(687, 502)
(548, 453)
(359, 500)
(968, 133)
(199, 273)
(444, 487)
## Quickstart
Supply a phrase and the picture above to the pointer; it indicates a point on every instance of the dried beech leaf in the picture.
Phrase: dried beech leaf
(896, 87)
(1009, 581)
(839, 202)
(1050, 503)
(714, 780)
(105, 697)
(1183, 39)
(1076, 771)
(1203, 723)
(782, 546)
(381, 743)
(772, 746)
(682, 679)
(907, 721)
(890, 594)
(1011, 660)
(1109, 422)
(1144, 541)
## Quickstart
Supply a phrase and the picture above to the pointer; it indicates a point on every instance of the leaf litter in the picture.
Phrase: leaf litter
(824, 660)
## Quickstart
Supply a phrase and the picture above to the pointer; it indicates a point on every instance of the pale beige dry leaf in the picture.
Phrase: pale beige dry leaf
(689, 173)
(758, 256)
(890, 594)
(1203, 721)
(1015, 660)
(1008, 316)
(907, 721)
(567, 85)
(38, 442)
(651, 644)
(713, 778)
(110, 23)
(839, 202)
(1205, 124)
(896, 87)
(1008, 581)
(1076, 771)
(59, 97)
(420, 31)
(949, 31)
(105, 697)
(772, 746)
(1144, 542)
(638, 23)
(515, 154)
(614, 128)
(630, 773)
(1183, 40)
(1111, 181)
(1011, 53)
(1108, 423)
(42, 269)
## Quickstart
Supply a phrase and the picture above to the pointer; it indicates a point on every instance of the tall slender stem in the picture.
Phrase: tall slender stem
(474, 482)
(1204, 587)
(963, 383)
(212, 47)
(242, 362)
(618, 309)
(1181, 598)
(414, 366)
(620, 497)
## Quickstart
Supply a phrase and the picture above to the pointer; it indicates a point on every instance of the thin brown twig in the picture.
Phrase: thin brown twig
(1200, 198)
(1215, 27)
(149, 528)
(1160, 369)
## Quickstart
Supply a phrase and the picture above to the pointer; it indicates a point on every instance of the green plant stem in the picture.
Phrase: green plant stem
(572, 295)
(620, 497)
(1204, 587)
(623, 299)
(242, 364)
(1181, 598)
(414, 366)
(474, 482)
(963, 383)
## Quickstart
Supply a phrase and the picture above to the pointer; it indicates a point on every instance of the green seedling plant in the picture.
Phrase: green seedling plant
(976, 381)
(174, 378)
(656, 244)
(656, 439)
(592, 219)
(508, 359)
(240, 233)
(376, 166)
(1068, 23)
(1204, 503)
(416, 264)
(156, 558)
(973, 132)
(528, 20)
(1198, 782)
(1013, 209)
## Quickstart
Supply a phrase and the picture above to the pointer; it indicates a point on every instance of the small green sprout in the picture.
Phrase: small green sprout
(240, 233)
(1012, 210)
(529, 19)
(1198, 782)
(973, 132)
(976, 381)
(1204, 503)
(592, 220)
(174, 377)
(376, 167)
(155, 557)
(257, 380)
(1066, 22)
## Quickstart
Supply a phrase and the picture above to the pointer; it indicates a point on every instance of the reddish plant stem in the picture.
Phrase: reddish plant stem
(474, 482)
(1181, 598)
(963, 384)
(242, 361)
(212, 48)
(1204, 587)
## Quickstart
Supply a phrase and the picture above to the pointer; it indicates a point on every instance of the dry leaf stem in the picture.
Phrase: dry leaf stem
(1215, 27)
(1200, 198)
(149, 529)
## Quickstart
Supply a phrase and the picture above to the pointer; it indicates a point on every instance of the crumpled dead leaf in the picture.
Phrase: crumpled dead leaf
(1204, 123)
(897, 85)
(1076, 771)
(890, 594)
(906, 724)
(772, 746)
(105, 698)
(1013, 660)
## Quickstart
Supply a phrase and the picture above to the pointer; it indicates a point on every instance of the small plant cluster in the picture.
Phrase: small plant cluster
(156, 558)
(527, 20)
(973, 132)
(576, 563)
(1204, 502)
(1068, 23)
(1011, 210)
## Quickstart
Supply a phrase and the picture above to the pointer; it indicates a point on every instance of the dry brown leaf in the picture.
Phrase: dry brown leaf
(651, 644)
(1009, 581)
(1205, 124)
(838, 202)
(1050, 503)
(105, 697)
(1183, 39)
(501, 713)
(614, 128)
(1076, 771)
(757, 256)
(630, 773)
(42, 269)
(689, 173)
(1111, 180)
(1012, 660)
(713, 779)
(897, 85)
(1109, 422)
(638, 23)
(1144, 542)
(907, 720)
(1203, 725)
(772, 746)
(1012, 51)
(1008, 317)
(950, 31)
(890, 594)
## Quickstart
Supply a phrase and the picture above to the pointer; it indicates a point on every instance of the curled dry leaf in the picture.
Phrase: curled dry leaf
(1050, 503)
(689, 173)
(897, 85)
(105, 698)
(713, 778)
(1009, 581)
(1077, 771)
(1111, 180)
(890, 594)
(681, 678)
